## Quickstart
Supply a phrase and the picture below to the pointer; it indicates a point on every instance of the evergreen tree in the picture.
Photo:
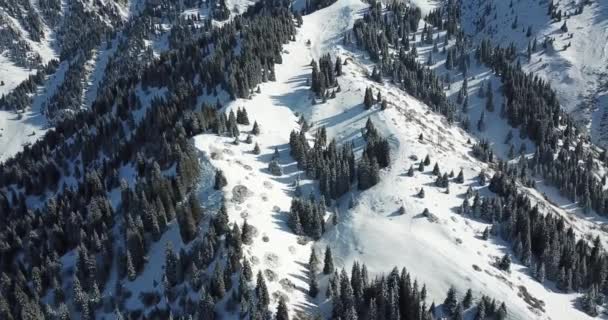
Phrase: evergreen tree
(247, 233)
(261, 290)
(172, 266)
(282, 312)
(313, 289)
(247, 272)
(450, 304)
(505, 263)
(468, 299)
(220, 180)
(218, 286)
(313, 261)
(368, 100)
(328, 266)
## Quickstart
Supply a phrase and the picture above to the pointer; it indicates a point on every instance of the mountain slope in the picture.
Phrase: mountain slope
(442, 249)
(574, 62)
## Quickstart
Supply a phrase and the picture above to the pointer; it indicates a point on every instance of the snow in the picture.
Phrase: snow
(439, 253)
(578, 73)
(96, 67)
(19, 130)
(11, 74)
(426, 6)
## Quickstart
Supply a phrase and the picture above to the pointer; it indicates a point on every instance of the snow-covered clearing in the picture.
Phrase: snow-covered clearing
(19, 130)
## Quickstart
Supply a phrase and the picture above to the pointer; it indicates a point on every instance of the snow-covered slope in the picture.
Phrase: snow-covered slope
(576, 62)
(17, 130)
(448, 251)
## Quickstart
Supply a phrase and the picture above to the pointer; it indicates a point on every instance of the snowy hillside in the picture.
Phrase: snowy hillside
(102, 61)
(442, 250)
(285, 160)
(575, 62)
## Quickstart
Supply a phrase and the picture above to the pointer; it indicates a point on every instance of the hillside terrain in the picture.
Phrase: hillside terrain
(303, 160)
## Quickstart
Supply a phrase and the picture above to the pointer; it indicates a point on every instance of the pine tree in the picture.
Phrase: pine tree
(313, 288)
(427, 160)
(274, 168)
(220, 180)
(282, 313)
(206, 307)
(501, 313)
(247, 233)
(218, 286)
(468, 299)
(247, 272)
(460, 177)
(313, 261)
(368, 100)
(450, 304)
(505, 263)
(242, 117)
(486, 234)
(220, 222)
(256, 149)
(328, 266)
(436, 171)
(481, 311)
(256, 128)
(262, 291)
(171, 265)
(421, 193)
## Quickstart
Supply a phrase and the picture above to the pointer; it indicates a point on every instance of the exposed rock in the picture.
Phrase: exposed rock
(287, 285)
(240, 193)
(270, 275)
(271, 260)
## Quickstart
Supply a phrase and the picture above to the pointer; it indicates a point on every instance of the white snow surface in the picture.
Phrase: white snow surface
(578, 73)
(439, 254)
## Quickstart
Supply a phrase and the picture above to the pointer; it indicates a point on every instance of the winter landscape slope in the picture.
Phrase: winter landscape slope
(132, 27)
(575, 62)
(442, 250)
(405, 220)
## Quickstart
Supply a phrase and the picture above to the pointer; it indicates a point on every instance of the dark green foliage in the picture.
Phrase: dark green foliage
(505, 263)
(306, 217)
(220, 180)
(282, 312)
(313, 288)
(104, 139)
(261, 290)
(242, 117)
(468, 299)
(328, 264)
(450, 304)
(323, 76)
(220, 222)
(368, 99)
(334, 167)
(376, 32)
